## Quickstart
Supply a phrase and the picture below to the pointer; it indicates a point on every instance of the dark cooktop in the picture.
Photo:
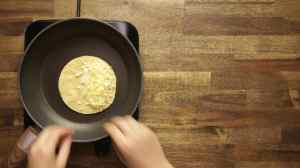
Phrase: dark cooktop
(127, 29)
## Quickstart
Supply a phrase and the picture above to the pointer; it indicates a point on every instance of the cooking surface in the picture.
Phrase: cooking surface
(222, 77)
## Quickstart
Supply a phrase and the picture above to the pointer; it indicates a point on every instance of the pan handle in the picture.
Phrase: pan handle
(17, 158)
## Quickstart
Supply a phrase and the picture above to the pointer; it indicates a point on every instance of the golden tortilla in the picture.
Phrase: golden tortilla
(87, 84)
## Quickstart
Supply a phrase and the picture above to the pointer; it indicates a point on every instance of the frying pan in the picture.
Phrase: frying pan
(52, 49)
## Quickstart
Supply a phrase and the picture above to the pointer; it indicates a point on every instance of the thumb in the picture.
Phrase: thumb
(64, 151)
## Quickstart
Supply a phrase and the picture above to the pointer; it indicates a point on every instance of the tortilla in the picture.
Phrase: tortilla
(87, 85)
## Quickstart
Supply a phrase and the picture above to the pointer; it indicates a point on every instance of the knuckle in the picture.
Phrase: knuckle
(128, 146)
(117, 119)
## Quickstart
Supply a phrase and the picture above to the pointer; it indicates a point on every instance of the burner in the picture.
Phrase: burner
(128, 30)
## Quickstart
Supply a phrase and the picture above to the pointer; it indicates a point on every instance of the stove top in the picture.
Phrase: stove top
(128, 30)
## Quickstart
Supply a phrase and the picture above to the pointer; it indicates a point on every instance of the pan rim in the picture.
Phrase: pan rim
(29, 47)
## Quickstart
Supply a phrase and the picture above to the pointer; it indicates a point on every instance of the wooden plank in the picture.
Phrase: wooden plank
(229, 80)
(10, 99)
(9, 96)
(272, 99)
(6, 117)
(11, 117)
(231, 108)
(211, 155)
(227, 108)
(11, 134)
(178, 80)
(269, 65)
(13, 26)
(197, 2)
(257, 153)
(178, 60)
(257, 135)
(201, 53)
(163, 15)
(233, 153)
(233, 25)
(287, 9)
(211, 135)
(26, 8)
(246, 48)
(293, 80)
(203, 164)
(231, 9)
(269, 81)
(267, 164)
(10, 61)
(255, 45)
(211, 17)
(288, 75)
(290, 135)
(10, 44)
(66, 8)
(8, 81)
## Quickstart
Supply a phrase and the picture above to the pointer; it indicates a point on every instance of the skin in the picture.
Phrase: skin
(135, 144)
(42, 152)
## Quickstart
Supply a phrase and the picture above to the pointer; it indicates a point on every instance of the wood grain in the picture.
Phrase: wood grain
(220, 85)
(222, 80)
(232, 25)
(65, 8)
(26, 8)
(15, 15)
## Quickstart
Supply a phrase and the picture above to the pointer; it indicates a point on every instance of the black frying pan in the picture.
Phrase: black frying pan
(55, 46)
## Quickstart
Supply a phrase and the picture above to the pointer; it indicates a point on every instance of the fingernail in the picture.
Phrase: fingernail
(68, 139)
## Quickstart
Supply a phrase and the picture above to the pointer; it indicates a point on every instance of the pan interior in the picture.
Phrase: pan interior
(52, 50)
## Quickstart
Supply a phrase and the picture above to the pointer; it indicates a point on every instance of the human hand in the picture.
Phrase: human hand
(43, 152)
(136, 145)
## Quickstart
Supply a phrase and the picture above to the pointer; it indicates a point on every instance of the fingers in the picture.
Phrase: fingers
(64, 151)
(131, 121)
(51, 136)
(126, 124)
(115, 133)
(122, 124)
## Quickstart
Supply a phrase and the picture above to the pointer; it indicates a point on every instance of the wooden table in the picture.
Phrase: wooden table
(222, 79)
